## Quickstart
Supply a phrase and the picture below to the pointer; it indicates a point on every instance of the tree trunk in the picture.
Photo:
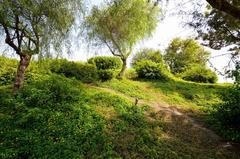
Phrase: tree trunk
(225, 6)
(124, 66)
(24, 62)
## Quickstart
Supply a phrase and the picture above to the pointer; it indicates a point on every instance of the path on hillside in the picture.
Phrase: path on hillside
(172, 114)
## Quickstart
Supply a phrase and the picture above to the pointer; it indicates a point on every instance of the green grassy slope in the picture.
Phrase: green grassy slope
(57, 117)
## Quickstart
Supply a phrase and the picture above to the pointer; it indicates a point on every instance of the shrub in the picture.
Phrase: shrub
(82, 71)
(131, 74)
(199, 74)
(51, 91)
(106, 62)
(106, 75)
(7, 70)
(151, 70)
(147, 54)
(228, 114)
(107, 66)
(7, 75)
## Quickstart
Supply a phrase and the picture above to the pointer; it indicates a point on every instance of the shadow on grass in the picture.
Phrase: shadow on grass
(55, 119)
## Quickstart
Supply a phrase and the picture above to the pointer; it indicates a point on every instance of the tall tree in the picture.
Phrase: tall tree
(218, 29)
(121, 24)
(147, 54)
(25, 22)
(182, 54)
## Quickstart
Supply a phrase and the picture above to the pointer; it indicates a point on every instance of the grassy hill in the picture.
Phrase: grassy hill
(58, 117)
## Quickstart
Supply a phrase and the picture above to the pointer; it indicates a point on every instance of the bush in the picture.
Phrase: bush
(106, 62)
(8, 68)
(151, 70)
(228, 114)
(82, 71)
(199, 74)
(106, 75)
(107, 66)
(147, 54)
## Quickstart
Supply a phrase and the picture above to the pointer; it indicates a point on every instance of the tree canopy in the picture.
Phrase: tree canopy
(147, 54)
(28, 24)
(181, 54)
(121, 24)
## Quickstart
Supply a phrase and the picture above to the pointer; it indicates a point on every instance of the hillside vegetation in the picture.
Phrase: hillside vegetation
(59, 116)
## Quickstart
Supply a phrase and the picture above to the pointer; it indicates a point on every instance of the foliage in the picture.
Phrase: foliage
(30, 25)
(147, 54)
(182, 94)
(107, 66)
(216, 28)
(106, 75)
(199, 74)
(57, 117)
(131, 73)
(181, 54)
(7, 70)
(120, 25)
(48, 22)
(82, 71)
(151, 70)
(228, 114)
(106, 62)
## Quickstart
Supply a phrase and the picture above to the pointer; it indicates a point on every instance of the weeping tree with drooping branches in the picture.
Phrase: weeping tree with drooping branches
(120, 24)
(29, 25)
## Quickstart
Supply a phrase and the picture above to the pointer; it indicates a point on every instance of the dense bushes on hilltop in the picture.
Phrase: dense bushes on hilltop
(199, 74)
(106, 62)
(82, 71)
(107, 66)
(151, 70)
(147, 54)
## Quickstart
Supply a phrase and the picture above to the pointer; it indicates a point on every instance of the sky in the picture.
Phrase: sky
(169, 27)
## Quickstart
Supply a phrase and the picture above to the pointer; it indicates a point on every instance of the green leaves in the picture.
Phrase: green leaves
(122, 24)
(28, 23)
(182, 54)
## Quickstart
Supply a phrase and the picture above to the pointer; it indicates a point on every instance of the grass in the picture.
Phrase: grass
(178, 93)
(57, 117)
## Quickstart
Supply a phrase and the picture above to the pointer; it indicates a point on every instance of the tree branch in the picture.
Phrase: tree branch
(9, 41)
(225, 6)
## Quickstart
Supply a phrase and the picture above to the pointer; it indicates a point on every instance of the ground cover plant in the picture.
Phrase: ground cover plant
(54, 116)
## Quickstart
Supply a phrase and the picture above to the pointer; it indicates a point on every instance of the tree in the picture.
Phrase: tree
(230, 7)
(182, 54)
(25, 22)
(147, 54)
(218, 29)
(120, 25)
